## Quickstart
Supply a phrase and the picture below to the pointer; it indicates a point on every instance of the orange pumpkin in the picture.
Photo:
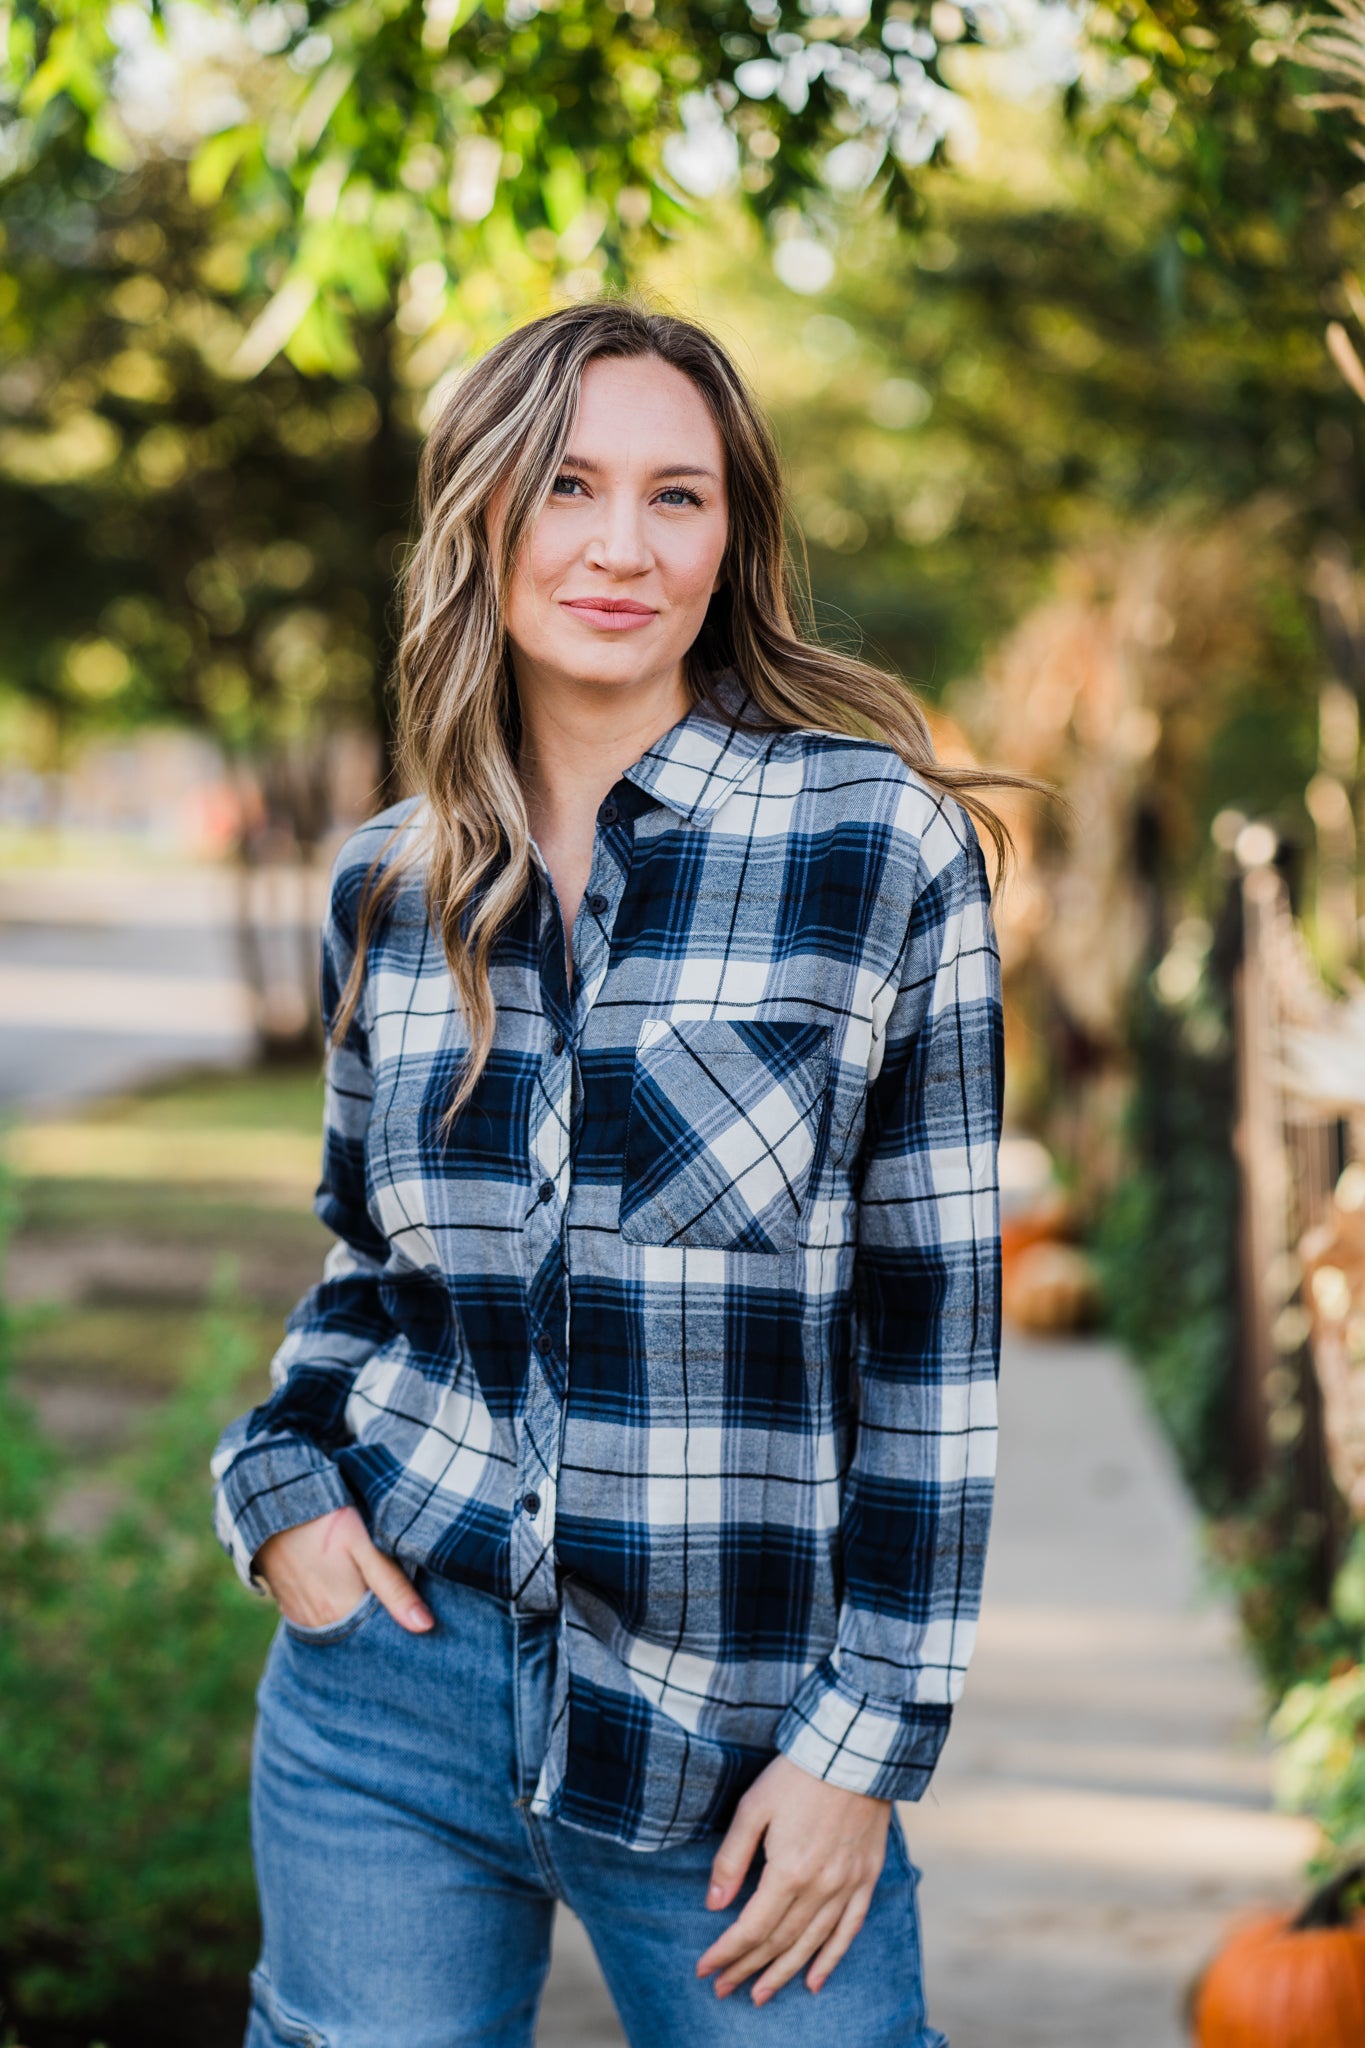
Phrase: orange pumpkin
(1050, 1218)
(1051, 1287)
(1290, 1980)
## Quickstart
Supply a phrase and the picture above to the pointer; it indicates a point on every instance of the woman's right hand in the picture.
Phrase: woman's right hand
(319, 1570)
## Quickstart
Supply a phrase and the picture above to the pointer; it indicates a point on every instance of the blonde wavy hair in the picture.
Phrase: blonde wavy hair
(505, 429)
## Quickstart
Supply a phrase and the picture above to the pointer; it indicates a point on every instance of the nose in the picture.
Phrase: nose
(618, 543)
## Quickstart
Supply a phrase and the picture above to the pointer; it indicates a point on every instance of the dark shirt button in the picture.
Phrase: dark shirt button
(547, 1188)
(544, 1345)
(609, 813)
(557, 1044)
(597, 904)
(531, 1503)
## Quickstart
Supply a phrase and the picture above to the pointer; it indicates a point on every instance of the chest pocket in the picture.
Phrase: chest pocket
(725, 1123)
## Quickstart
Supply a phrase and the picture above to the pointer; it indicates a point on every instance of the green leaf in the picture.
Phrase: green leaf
(214, 162)
(504, 246)
(321, 344)
(442, 19)
(346, 258)
(274, 326)
(107, 141)
(563, 190)
(322, 102)
(52, 74)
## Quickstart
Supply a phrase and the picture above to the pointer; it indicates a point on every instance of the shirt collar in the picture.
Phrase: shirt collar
(701, 760)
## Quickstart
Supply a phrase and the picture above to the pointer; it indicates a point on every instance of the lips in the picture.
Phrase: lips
(615, 613)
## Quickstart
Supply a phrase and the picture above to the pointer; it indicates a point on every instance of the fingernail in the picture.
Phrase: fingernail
(417, 1616)
(717, 1891)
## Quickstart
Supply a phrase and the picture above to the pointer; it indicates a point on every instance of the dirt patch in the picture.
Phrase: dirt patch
(111, 1266)
(90, 1422)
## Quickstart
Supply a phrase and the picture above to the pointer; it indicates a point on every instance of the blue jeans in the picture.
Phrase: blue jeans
(407, 1894)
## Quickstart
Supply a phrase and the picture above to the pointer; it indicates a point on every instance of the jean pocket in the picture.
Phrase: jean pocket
(333, 1631)
(726, 1121)
(271, 2025)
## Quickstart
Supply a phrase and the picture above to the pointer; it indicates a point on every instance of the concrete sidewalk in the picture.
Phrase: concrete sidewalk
(1102, 1805)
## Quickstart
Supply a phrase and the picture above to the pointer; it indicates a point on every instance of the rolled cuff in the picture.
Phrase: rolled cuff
(843, 1735)
(269, 1487)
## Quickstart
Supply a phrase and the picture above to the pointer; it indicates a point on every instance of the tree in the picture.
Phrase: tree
(972, 397)
(243, 243)
(449, 156)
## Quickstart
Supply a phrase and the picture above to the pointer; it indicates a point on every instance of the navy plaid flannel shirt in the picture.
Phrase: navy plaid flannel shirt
(690, 1334)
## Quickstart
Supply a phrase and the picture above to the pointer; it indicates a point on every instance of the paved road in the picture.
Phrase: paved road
(108, 977)
(1101, 1807)
(1102, 1804)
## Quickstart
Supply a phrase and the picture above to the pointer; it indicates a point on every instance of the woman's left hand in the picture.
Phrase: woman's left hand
(823, 1853)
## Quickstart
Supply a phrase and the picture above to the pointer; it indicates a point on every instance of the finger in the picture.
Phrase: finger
(759, 1920)
(798, 1953)
(758, 1954)
(736, 1853)
(391, 1586)
(839, 1942)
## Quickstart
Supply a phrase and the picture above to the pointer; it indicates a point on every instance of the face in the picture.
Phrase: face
(621, 561)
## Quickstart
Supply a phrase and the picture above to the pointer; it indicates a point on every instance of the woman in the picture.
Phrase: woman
(626, 1481)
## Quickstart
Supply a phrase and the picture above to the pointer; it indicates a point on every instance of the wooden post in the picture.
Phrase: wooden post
(1260, 1161)
(1289, 1156)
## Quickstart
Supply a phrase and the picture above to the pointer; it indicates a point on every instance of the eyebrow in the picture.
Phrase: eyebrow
(670, 469)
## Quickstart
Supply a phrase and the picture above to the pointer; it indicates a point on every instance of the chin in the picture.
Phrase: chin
(609, 666)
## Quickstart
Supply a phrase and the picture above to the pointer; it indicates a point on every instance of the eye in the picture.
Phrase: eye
(679, 494)
(566, 485)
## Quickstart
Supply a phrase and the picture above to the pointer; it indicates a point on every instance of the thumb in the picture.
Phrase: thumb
(390, 1585)
(736, 1852)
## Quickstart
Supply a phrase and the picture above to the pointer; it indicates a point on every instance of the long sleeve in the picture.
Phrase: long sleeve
(916, 1501)
(274, 1467)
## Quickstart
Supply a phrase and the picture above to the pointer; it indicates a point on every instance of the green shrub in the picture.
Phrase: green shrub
(1319, 1724)
(1269, 1557)
(1320, 1768)
(127, 1670)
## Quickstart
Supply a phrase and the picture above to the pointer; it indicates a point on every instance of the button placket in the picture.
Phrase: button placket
(597, 913)
(534, 1584)
(534, 1588)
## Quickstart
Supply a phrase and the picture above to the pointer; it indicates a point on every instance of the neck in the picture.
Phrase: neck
(578, 738)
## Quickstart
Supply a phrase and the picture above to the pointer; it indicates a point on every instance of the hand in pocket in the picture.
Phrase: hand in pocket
(318, 1572)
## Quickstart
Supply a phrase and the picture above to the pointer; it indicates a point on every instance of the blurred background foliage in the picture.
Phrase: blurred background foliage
(1052, 307)
(128, 1663)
